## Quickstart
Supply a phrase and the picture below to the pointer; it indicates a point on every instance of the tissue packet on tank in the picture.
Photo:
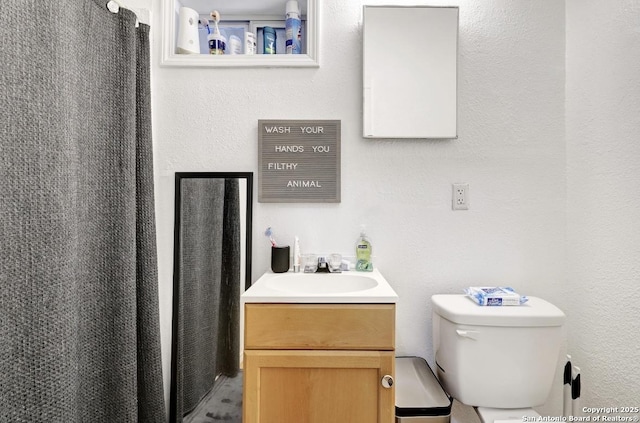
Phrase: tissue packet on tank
(495, 296)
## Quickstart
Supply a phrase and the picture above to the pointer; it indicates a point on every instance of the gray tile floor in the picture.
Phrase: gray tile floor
(222, 404)
(461, 413)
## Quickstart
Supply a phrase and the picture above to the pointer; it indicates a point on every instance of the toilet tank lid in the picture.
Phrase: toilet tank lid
(463, 310)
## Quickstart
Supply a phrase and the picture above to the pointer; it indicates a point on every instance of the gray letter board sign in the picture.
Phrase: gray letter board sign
(299, 161)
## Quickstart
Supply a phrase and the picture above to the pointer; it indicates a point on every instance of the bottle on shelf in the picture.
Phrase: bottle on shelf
(217, 42)
(293, 27)
(268, 40)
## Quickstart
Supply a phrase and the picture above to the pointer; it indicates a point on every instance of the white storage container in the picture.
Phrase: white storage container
(419, 396)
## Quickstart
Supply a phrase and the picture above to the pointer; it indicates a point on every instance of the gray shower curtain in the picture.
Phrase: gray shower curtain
(79, 325)
(208, 315)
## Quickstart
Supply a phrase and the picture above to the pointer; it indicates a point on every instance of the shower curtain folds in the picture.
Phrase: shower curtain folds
(79, 323)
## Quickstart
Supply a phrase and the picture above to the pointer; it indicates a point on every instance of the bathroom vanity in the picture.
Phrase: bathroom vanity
(314, 354)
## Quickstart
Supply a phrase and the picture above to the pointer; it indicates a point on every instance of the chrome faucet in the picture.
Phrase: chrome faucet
(322, 265)
(319, 264)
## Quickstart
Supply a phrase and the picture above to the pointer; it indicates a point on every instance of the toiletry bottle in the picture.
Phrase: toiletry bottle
(235, 45)
(293, 27)
(268, 40)
(217, 42)
(363, 253)
(249, 43)
(296, 255)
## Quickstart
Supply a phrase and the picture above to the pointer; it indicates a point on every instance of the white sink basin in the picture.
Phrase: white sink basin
(346, 287)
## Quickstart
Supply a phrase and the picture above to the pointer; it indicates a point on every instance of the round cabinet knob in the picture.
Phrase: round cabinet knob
(387, 381)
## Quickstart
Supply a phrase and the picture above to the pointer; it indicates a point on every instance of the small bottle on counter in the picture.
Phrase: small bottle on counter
(296, 255)
(363, 252)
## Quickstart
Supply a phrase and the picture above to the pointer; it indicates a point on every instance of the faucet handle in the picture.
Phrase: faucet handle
(310, 263)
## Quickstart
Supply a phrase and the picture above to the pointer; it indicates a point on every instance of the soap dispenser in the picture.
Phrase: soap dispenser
(363, 252)
(188, 38)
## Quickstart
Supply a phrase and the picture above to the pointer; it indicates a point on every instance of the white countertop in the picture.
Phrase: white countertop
(346, 287)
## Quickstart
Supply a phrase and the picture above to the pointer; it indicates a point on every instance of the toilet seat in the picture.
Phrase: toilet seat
(502, 415)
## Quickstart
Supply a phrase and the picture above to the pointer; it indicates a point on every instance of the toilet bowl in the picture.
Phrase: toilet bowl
(501, 360)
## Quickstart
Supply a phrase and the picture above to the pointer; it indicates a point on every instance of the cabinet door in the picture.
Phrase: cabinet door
(410, 72)
(317, 387)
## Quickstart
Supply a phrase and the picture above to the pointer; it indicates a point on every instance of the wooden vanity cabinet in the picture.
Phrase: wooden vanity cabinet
(318, 363)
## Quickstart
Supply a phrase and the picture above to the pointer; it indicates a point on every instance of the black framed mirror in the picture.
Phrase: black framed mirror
(212, 267)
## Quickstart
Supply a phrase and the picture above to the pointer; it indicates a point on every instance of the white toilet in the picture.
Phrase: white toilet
(501, 360)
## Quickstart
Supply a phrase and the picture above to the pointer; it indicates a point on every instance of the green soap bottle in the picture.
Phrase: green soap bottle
(363, 252)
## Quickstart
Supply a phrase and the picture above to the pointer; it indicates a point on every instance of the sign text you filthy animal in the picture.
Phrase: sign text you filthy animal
(299, 161)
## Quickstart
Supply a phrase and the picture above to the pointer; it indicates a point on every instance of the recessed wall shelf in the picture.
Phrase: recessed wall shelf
(253, 15)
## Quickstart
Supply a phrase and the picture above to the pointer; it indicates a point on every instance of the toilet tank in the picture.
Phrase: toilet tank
(498, 357)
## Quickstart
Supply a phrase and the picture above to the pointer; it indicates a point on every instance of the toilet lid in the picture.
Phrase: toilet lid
(463, 310)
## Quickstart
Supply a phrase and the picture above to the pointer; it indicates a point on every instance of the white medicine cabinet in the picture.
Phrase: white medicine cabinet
(410, 71)
(239, 17)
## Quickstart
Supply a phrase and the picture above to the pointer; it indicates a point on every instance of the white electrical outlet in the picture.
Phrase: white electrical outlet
(460, 197)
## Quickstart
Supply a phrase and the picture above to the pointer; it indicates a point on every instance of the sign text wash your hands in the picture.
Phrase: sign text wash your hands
(299, 161)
